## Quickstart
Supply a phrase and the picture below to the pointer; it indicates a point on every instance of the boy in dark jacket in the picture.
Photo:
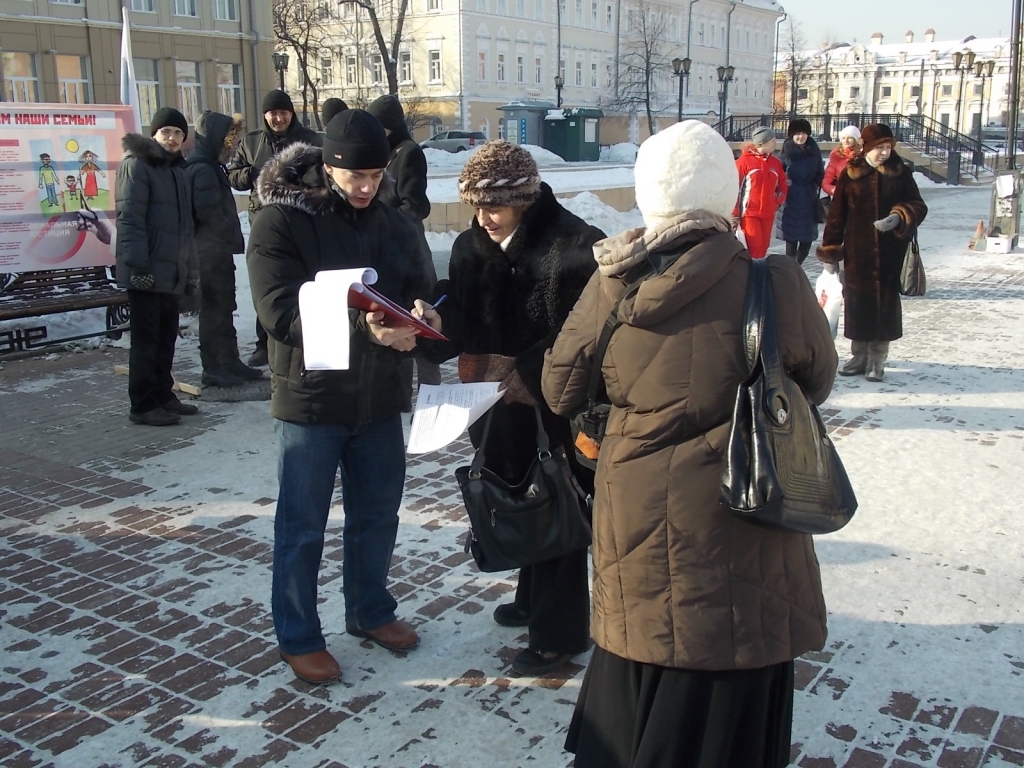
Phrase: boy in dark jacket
(218, 238)
(280, 130)
(156, 261)
(407, 165)
(323, 212)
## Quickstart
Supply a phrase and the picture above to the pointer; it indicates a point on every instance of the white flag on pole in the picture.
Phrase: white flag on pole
(129, 90)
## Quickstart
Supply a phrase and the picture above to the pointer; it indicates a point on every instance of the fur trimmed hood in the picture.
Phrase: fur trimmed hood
(858, 167)
(215, 136)
(148, 150)
(295, 177)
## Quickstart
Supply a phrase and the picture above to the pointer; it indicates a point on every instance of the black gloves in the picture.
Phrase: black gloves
(142, 281)
(192, 287)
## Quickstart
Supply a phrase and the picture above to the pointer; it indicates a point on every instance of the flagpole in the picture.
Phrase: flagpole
(129, 89)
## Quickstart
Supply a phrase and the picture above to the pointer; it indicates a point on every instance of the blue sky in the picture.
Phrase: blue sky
(836, 20)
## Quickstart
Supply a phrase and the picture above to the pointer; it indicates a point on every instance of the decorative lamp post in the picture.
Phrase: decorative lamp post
(681, 68)
(962, 63)
(725, 76)
(280, 66)
(559, 84)
(984, 70)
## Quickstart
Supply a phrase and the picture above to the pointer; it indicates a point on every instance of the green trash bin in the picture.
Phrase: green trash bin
(574, 135)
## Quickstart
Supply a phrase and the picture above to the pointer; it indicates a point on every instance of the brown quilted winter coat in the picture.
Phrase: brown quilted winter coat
(679, 581)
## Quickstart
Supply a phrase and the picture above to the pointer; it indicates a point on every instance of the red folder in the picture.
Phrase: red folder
(368, 299)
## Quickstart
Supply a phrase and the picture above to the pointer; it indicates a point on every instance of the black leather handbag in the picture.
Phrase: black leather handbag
(539, 518)
(912, 279)
(781, 468)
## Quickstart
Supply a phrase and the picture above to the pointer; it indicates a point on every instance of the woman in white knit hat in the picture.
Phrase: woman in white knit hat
(849, 147)
(698, 615)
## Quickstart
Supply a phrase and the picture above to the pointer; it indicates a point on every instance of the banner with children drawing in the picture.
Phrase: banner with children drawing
(57, 167)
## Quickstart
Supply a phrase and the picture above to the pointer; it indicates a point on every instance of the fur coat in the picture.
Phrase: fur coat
(873, 259)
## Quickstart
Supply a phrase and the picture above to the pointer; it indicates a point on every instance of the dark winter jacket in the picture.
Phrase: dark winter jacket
(407, 165)
(873, 259)
(513, 303)
(154, 217)
(678, 580)
(257, 148)
(305, 227)
(218, 230)
(762, 184)
(804, 172)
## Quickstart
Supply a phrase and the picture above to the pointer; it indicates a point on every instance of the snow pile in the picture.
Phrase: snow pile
(543, 156)
(439, 160)
(620, 153)
(923, 181)
(589, 207)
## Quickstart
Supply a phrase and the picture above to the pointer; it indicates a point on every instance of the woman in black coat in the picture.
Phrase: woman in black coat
(514, 276)
(805, 169)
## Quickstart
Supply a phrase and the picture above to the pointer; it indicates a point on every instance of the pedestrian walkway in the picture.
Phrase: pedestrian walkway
(135, 581)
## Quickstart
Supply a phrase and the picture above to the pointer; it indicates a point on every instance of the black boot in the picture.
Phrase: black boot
(237, 368)
(218, 377)
(259, 356)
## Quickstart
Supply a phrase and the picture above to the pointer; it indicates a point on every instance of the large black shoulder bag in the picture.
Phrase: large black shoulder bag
(781, 469)
(539, 518)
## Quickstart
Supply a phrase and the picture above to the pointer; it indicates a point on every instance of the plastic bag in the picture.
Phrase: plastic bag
(829, 290)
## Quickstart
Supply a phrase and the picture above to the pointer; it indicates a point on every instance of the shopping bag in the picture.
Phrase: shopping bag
(829, 290)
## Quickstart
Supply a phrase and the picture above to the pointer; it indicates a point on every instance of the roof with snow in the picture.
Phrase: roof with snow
(904, 52)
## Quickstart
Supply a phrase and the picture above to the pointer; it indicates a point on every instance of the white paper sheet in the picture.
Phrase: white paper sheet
(1004, 185)
(323, 307)
(445, 411)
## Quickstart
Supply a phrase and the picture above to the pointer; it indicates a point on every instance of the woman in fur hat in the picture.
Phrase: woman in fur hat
(804, 170)
(874, 213)
(514, 276)
(849, 145)
(698, 614)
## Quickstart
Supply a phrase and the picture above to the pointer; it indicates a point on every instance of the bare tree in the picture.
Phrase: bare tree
(797, 61)
(419, 112)
(393, 15)
(642, 60)
(301, 26)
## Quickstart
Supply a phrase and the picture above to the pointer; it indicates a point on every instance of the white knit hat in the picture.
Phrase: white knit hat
(686, 167)
(850, 130)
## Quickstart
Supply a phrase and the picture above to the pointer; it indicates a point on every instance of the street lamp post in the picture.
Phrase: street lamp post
(559, 84)
(681, 68)
(962, 63)
(280, 66)
(725, 76)
(984, 70)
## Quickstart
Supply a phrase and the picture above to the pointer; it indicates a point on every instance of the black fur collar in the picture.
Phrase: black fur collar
(148, 150)
(858, 167)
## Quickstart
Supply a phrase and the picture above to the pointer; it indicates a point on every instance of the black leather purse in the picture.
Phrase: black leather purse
(539, 518)
(912, 278)
(781, 468)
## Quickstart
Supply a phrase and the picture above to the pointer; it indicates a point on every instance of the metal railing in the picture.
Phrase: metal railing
(928, 136)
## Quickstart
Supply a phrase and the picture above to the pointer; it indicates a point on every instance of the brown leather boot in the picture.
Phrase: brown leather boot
(318, 668)
(858, 363)
(396, 636)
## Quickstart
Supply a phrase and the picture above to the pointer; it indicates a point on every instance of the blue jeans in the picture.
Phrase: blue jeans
(372, 462)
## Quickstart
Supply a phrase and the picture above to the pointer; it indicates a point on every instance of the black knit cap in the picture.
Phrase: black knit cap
(355, 140)
(276, 99)
(388, 109)
(798, 126)
(333, 106)
(168, 116)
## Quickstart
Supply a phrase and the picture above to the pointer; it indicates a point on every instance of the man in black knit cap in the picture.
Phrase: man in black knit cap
(323, 210)
(280, 129)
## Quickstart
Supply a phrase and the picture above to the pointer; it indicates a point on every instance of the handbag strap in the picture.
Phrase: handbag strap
(754, 313)
(761, 327)
(543, 443)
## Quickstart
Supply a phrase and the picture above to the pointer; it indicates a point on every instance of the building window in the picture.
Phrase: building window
(481, 6)
(481, 65)
(579, 13)
(186, 74)
(376, 69)
(915, 90)
(594, 14)
(579, 73)
(830, 93)
(148, 84)
(73, 79)
(326, 71)
(801, 93)
(712, 35)
(502, 7)
(146, 6)
(185, 8)
(886, 91)
(608, 20)
(700, 33)
(520, 70)
(593, 74)
(229, 88)
(501, 67)
(947, 90)
(561, 68)
(350, 70)
(538, 9)
(977, 89)
(67, 2)
(521, 8)
(225, 10)
(405, 66)
(433, 5)
(21, 83)
(854, 92)
(434, 57)
(538, 70)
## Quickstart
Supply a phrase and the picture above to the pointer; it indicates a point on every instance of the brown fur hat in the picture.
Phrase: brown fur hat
(499, 174)
(875, 134)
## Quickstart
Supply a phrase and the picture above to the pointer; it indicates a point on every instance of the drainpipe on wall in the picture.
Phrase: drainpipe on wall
(775, 54)
(255, 57)
(689, 34)
(618, 15)
(920, 90)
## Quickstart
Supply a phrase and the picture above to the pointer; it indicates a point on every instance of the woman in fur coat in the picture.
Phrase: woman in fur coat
(874, 214)
(514, 276)
(804, 170)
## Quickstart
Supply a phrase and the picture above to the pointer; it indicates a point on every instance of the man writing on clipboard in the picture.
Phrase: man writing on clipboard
(321, 212)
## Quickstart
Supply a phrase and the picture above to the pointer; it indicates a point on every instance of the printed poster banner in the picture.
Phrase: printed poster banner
(57, 167)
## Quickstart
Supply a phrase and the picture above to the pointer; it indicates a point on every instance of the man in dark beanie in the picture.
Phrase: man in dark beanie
(280, 129)
(322, 211)
(156, 261)
(407, 165)
(331, 107)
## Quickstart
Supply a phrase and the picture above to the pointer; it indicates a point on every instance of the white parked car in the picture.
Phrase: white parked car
(454, 141)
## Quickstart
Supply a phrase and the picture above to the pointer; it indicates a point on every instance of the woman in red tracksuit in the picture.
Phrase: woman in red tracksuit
(762, 191)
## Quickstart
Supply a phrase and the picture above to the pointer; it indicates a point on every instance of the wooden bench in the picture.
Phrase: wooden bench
(50, 292)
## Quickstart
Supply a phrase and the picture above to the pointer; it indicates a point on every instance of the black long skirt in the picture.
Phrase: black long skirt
(634, 715)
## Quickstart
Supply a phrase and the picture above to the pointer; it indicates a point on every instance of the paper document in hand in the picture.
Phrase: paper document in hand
(324, 312)
(368, 299)
(445, 411)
